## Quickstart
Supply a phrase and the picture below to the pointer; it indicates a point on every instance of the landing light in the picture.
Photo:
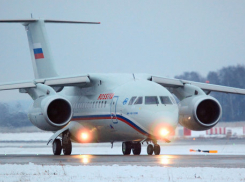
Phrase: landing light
(164, 132)
(84, 136)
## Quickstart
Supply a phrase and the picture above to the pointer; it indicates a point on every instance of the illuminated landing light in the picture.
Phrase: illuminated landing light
(189, 118)
(164, 132)
(84, 136)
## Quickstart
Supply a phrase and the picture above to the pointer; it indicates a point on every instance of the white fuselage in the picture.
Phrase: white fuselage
(103, 112)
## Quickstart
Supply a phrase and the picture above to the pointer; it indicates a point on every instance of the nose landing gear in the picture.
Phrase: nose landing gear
(156, 149)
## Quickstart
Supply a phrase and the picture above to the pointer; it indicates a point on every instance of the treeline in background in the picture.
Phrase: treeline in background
(14, 114)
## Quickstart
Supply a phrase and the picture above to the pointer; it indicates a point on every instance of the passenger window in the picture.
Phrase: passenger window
(105, 103)
(132, 100)
(99, 105)
(96, 105)
(165, 100)
(151, 100)
(139, 101)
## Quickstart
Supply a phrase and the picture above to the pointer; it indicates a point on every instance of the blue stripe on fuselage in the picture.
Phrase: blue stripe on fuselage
(119, 117)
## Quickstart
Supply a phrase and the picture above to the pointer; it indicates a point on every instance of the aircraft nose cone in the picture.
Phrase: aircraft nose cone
(164, 124)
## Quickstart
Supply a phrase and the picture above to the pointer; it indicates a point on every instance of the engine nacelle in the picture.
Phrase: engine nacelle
(199, 112)
(50, 113)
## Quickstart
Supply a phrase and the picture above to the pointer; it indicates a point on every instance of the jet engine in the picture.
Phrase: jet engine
(50, 113)
(199, 112)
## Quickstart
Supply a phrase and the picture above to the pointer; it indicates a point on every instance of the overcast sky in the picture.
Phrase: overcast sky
(135, 36)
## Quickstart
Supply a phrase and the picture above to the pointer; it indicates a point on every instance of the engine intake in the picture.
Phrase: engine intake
(59, 111)
(208, 112)
(50, 113)
(199, 112)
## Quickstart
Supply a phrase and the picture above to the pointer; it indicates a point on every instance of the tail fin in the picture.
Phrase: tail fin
(42, 59)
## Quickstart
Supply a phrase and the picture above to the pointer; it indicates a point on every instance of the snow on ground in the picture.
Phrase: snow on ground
(39, 136)
(31, 172)
(34, 143)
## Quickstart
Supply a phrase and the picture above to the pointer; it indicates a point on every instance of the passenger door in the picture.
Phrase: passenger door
(113, 109)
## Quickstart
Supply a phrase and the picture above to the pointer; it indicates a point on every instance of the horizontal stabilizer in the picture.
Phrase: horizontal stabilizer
(46, 21)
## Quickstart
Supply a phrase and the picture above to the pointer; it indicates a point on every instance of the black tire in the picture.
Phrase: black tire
(126, 148)
(157, 149)
(136, 148)
(67, 148)
(150, 149)
(57, 147)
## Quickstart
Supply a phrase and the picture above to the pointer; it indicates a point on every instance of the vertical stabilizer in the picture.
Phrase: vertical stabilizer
(42, 59)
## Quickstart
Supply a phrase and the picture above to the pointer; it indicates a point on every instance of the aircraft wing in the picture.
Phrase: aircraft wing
(58, 81)
(169, 82)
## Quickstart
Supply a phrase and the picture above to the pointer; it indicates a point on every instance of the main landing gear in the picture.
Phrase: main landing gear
(64, 144)
(136, 148)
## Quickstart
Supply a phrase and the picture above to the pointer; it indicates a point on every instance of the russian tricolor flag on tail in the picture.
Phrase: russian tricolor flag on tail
(38, 51)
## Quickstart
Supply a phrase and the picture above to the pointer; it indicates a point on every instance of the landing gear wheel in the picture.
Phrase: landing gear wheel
(157, 149)
(150, 149)
(136, 148)
(57, 147)
(126, 148)
(67, 148)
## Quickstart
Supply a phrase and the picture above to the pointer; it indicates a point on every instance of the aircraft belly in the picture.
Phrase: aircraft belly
(104, 130)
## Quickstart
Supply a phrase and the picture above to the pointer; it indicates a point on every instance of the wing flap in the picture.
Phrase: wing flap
(169, 82)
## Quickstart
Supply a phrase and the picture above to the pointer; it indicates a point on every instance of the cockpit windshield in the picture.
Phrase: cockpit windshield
(139, 101)
(151, 100)
(132, 100)
(165, 100)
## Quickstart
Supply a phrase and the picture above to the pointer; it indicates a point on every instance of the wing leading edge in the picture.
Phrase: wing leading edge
(169, 82)
(59, 81)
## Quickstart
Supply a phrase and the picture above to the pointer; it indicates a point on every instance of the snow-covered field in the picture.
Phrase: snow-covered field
(33, 172)
(34, 143)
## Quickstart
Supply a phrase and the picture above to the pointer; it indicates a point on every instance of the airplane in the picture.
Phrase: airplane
(97, 108)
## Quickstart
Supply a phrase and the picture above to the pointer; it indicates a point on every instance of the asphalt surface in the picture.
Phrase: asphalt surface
(218, 161)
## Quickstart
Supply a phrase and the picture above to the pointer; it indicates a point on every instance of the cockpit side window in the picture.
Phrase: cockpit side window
(132, 100)
(139, 101)
(173, 100)
(165, 100)
(151, 100)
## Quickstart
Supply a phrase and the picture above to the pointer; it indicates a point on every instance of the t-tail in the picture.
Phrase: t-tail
(41, 55)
